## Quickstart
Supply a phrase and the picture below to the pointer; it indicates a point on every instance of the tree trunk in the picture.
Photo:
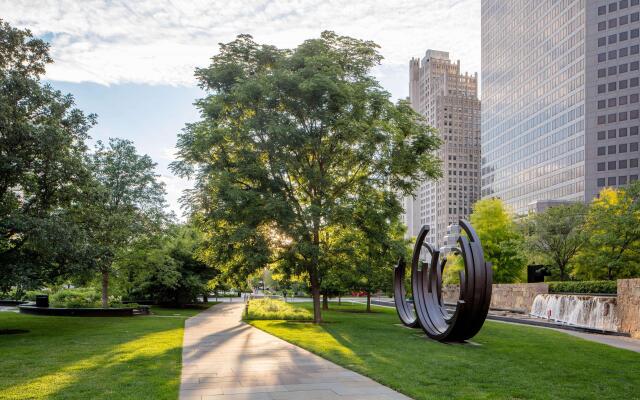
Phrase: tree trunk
(368, 302)
(105, 289)
(315, 293)
(325, 301)
(315, 279)
(205, 297)
(339, 299)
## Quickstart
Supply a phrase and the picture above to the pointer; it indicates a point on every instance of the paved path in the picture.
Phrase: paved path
(226, 359)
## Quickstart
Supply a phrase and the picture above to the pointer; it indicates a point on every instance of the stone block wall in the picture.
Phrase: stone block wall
(520, 296)
(628, 308)
(516, 297)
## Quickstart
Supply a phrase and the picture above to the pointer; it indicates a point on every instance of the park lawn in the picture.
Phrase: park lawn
(92, 358)
(504, 361)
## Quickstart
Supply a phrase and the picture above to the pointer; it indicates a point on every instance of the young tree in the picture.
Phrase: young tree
(378, 241)
(557, 235)
(501, 241)
(42, 168)
(124, 201)
(613, 232)
(287, 139)
(166, 267)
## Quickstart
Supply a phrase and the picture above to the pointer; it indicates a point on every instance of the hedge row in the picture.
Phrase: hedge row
(608, 287)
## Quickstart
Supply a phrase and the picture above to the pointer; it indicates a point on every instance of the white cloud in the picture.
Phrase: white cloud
(175, 187)
(162, 41)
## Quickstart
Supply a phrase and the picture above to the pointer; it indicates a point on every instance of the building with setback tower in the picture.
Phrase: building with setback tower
(449, 101)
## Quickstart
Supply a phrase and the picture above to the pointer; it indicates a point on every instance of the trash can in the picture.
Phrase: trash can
(42, 300)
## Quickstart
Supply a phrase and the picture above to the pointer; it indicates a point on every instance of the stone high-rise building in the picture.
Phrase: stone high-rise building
(559, 99)
(449, 101)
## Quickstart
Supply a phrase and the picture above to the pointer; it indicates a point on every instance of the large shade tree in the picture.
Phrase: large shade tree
(286, 141)
(42, 169)
(123, 202)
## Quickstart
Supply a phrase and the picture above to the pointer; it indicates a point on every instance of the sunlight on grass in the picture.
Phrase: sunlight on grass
(92, 358)
(507, 361)
(148, 346)
(270, 309)
(313, 336)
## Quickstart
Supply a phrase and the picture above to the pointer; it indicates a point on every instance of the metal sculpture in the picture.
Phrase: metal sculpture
(429, 310)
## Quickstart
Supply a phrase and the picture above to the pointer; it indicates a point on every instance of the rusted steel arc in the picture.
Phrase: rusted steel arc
(426, 280)
(404, 309)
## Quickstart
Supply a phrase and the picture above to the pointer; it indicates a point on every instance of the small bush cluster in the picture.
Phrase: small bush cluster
(608, 287)
(270, 309)
(75, 298)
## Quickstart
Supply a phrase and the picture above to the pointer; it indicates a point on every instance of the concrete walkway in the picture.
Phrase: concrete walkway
(224, 358)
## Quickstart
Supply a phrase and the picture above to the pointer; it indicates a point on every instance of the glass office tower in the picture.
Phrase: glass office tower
(559, 99)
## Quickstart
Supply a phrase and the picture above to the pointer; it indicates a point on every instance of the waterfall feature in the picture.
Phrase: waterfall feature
(596, 312)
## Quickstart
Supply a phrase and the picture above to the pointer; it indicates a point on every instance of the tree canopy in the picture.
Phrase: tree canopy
(42, 168)
(612, 229)
(287, 141)
(556, 235)
(123, 201)
(501, 241)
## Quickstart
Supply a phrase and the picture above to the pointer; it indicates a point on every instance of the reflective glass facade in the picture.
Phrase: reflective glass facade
(533, 100)
(560, 94)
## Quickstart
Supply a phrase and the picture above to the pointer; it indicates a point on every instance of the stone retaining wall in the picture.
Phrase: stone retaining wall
(517, 297)
(628, 308)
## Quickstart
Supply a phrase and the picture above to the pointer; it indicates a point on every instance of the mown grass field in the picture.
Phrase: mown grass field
(505, 361)
(92, 358)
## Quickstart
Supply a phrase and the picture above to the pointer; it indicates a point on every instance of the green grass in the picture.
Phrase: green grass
(92, 358)
(506, 362)
(270, 309)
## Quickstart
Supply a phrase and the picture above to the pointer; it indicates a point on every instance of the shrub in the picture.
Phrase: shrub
(276, 309)
(608, 287)
(30, 295)
(75, 298)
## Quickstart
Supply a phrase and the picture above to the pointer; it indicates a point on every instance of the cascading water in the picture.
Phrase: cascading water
(595, 312)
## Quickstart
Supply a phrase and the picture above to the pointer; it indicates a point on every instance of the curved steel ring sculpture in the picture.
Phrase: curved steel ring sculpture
(429, 311)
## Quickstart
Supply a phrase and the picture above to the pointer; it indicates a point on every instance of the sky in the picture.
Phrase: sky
(132, 62)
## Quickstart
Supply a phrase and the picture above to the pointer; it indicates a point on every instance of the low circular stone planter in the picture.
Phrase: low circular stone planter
(11, 303)
(76, 312)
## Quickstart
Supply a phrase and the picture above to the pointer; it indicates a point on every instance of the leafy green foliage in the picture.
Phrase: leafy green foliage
(613, 231)
(556, 235)
(287, 142)
(75, 298)
(165, 268)
(42, 151)
(501, 241)
(609, 287)
(123, 202)
(270, 309)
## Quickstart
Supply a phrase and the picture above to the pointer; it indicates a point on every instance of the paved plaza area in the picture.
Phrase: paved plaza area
(226, 359)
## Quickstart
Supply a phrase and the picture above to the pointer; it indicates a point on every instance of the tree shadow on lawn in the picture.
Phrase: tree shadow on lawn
(509, 362)
(72, 357)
